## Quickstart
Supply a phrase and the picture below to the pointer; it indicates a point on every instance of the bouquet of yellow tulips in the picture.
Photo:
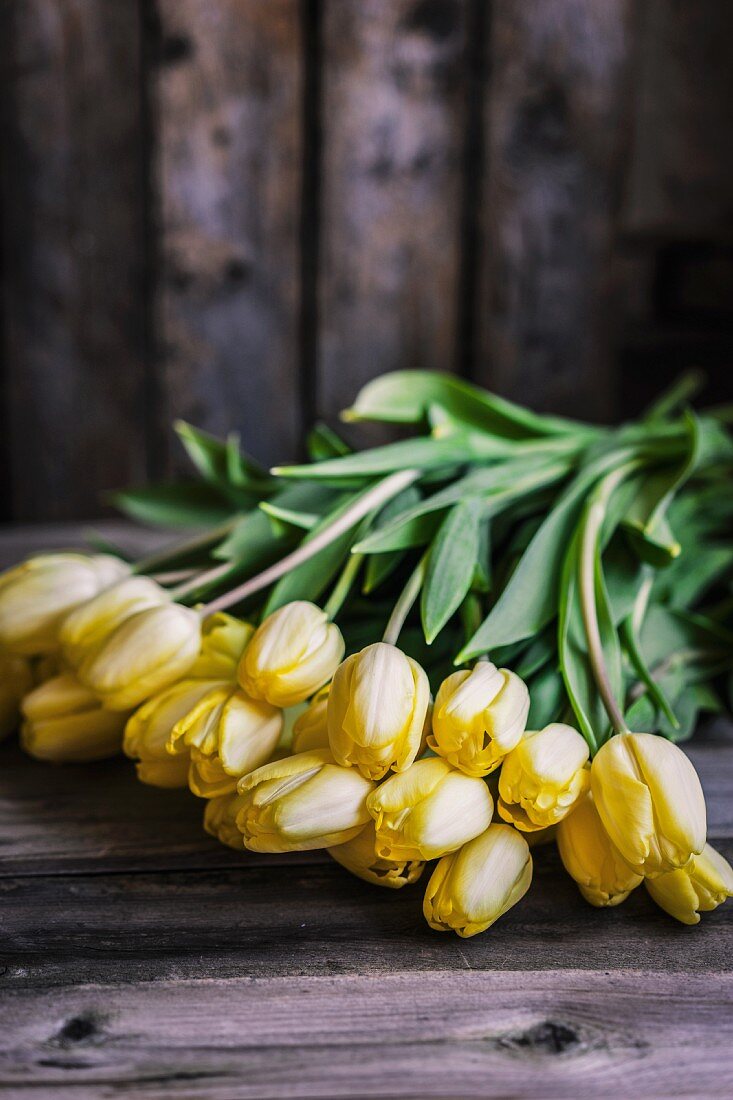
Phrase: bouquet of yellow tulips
(561, 596)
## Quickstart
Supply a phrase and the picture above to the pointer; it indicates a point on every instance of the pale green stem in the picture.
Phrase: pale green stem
(153, 562)
(592, 526)
(378, 495)
(343, 585)
(404, 604)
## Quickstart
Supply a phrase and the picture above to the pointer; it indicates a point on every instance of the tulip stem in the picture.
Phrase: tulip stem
(404, 604)
(343, 585)
(588, 557)
(368, 502)
(153, 562)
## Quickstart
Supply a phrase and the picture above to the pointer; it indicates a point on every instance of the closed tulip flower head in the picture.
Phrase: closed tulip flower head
(650, 801)
(301, 803)
(590, 857)
(310, 729)
(89, 624)
(36, 596)
(359, 856)
(698, 888)
(428, 810)
(16, 679)
(470, 889)
(220, 819)
(64, 722)
(479, 717)
(229, 735)
(377, 710)
(143, 655)
(223, 641)
(149, 729)
(292, 654)
(542, 779)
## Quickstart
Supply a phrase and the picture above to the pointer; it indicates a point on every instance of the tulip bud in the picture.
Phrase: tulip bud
(143, 655)
(220, 819)
(291, 655)
(650, 801)
(359, 857)
(590, 857)
(16, 679)
(223, 640)
(542, 779)
(36, 595)
(377, 710)
(701, 887)
(310, 729)
(229, 735)
(470, 889)
(148, 730)
(428, 810)
(301, 803)
(479, 717)
(89, 624)
(65, 722)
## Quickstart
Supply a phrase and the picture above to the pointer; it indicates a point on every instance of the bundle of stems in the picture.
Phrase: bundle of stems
(595, 561)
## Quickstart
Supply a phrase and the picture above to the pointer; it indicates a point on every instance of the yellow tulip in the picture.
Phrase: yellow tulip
(148, 730)
(303, 802)
(542, 779)
(590, 857)
(479, 717)
(359, 857)
(144, 654)
(470, 889)
(16, 680)
(291, 655)
(701, 887)
(310, 730)
(377, 710)
(36, 595)
(229, 735)
(223, 641)
(650, 801)
(65, 722)
(220, 819)
(429, 810)
(92, 622)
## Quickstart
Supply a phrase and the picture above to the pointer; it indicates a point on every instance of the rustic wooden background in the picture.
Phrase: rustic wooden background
(237, 211)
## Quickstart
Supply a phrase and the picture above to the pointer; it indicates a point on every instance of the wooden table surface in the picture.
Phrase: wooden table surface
(141, 958)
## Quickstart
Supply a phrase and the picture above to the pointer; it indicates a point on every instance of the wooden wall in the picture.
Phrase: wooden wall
(238, 211)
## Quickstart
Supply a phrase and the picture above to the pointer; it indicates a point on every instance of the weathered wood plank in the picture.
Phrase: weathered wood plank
(319, 920)
(98, 817)
(681, 165)
(393, 121)
(72, 229)
(555, 117)
(467, 1034)
(229, 143)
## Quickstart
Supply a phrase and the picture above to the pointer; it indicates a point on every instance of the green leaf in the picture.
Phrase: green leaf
(254, 543)
(451, 566)
(546, 698)
(323, 443)
(289, 517)
(633, 648)
(381, 566)
(405, 397)
(530, 599)
(222, 464)
(184, 504)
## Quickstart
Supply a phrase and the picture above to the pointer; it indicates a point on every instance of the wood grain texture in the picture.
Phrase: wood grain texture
(228, 137)
(393, 119)
(72, 233)
(679, 185)
(556, 113)
(460, 1035)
